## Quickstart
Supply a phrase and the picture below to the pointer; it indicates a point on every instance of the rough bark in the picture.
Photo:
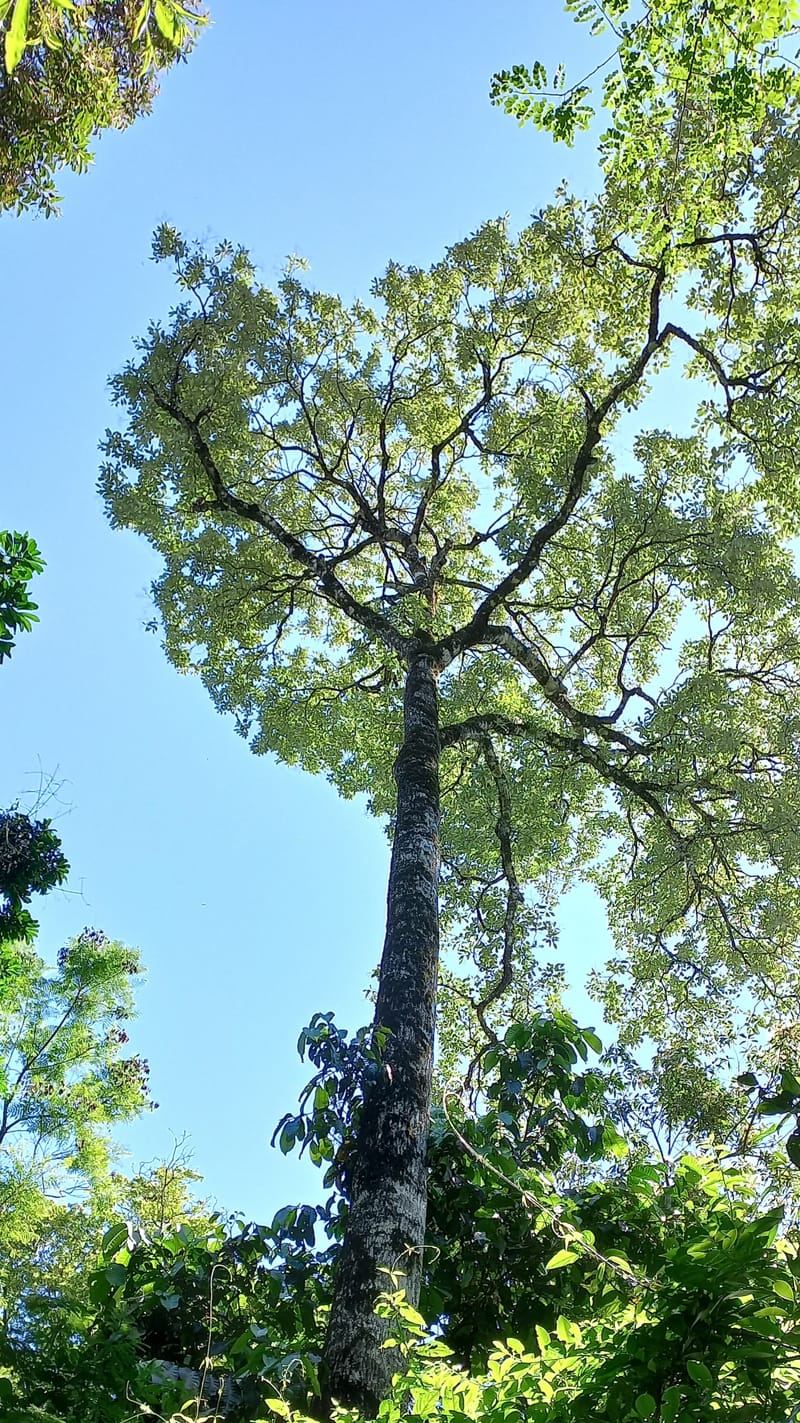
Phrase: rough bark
(386, 1225)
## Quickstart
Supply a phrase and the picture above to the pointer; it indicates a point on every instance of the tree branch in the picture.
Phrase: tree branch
(514, 895)
(554, 689)
(471, 634)
(331, 586)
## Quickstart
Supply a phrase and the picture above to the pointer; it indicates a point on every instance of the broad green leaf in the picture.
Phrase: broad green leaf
(670, 1403)
(562, 1258)
(167, 21)
(115, 1237)
(699, 1373)
(142, 17)
(16, 35)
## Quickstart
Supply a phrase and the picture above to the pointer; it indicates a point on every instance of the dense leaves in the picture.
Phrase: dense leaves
(65, 1075)
(327, 485)
(31, 862)
(20, 559)
(692, 80)
(619, 1280)
(70, 70)
(52, 1299)
(712, 1331)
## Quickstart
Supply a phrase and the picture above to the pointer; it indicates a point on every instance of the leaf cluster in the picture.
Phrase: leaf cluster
(65, 1077)
(20, 559)
(31, 862)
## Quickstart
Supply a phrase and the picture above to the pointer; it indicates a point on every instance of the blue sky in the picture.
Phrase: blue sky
(348, 134)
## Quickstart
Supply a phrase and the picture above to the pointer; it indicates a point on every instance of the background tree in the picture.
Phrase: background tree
(61, 1284)
(426, 528)
(65, 1077)
(65, 1081)
(67, 72)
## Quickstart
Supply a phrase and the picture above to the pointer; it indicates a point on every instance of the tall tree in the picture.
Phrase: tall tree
(68, 71)
(433, 547)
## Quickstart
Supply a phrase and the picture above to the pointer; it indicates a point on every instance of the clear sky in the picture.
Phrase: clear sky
(349, 134)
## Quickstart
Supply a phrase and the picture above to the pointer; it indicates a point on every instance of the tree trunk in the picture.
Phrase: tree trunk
(386, 1225)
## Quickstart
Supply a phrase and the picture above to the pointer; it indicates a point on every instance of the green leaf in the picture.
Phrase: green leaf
(277, 1405)
(142, 16)
(168, 22)
(645, 1405)
(115, 1237)
(778, 1105)
(615, 1258)
(285, 1218)
(116, 1276)
(699, 1373)
(562, 1258)
(593, 1040)
(16, 35)
(670, 1403)
(783, 1290)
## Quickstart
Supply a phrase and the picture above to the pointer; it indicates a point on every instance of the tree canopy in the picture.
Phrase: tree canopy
(468, 460)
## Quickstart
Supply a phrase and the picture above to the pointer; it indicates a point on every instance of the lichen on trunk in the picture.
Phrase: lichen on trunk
(386, 1225)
